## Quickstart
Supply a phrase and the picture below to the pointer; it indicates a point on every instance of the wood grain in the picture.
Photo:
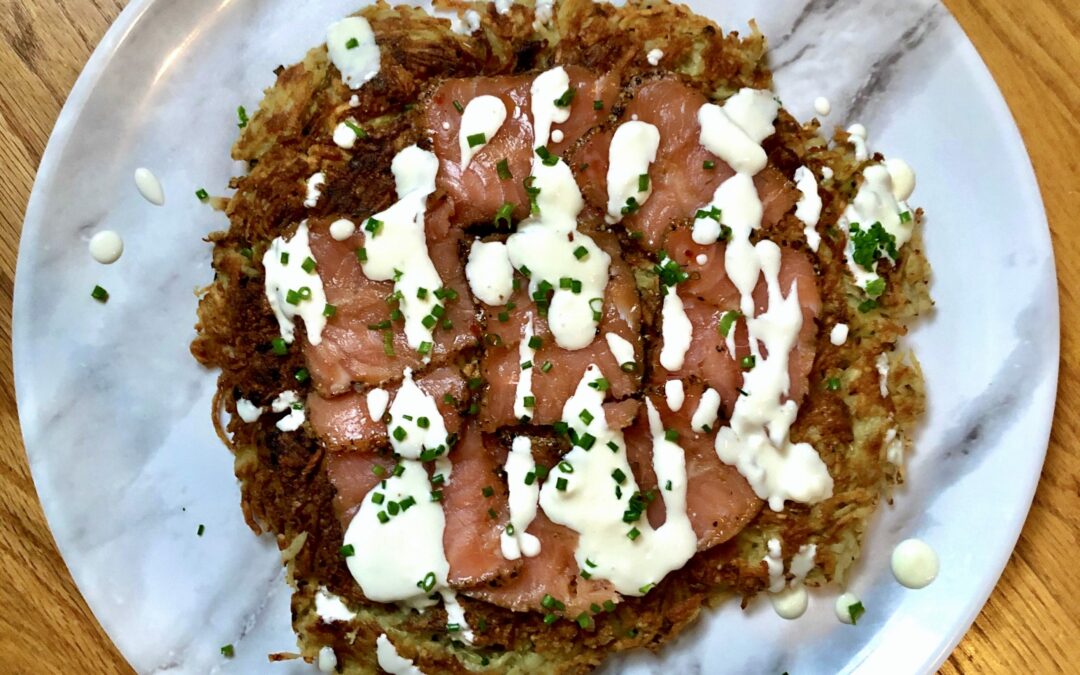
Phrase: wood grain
(1029, 624)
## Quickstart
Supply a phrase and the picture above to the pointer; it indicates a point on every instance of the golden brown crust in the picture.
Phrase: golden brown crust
(285, 489)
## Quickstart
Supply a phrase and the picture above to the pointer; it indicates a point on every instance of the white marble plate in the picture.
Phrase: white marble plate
(115, 413)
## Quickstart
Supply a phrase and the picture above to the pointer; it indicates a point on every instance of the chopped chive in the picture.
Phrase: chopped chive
(202, 528)
(228, 651)
(633, 534)
(378, 498)
(561, 484)
(600, 384)
(383, 518)
(546, 367)
(587, 441)
(438, 479)
(613, 446)
(671, 435)
(388, 343)
(406, 503)
(597, 105)
(475, 383)
(875, 288)
(373, 226)
(550, 619)
(308, 265)
(284, 258)
(502, 167)
(423, 422)
(585, 621)
(643, 183)
(202, 194)
(667, 486)
(378, 470)
(867, 306)
(504, 316)
(352, 43)
(425, 348)
(241, 116)
(586, 416)
(279, 346)
(400, 434)
(549, 602)
(458, 107)
(530, 478)
(747, 362)
(832, 384)
(361, 254)
(492, 514)
(476, 139)
(427, 583)
(429, 322)
(453, 627)
(347, 551)
(546, 157)
(421, 293)
(581, 252)
(393, 508)
(525, 365)
(708, 165)
(535, 342)
(586, 574)
(436, 495)
(503, 215)
(247, 253)
(628, 367)
(566, 99)
(646, 588)
(856, 610)
(529, 401)
(99, 294)
(632, 206)
(356, 129)
(302, 375)
(566, 467)
(905, 217)
(727, 321)
(488, 491)
(619, 476)
(609, 606)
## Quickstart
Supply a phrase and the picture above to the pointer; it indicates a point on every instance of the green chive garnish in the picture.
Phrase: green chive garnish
(202, 194)
(476, 139)
(503, 169)
(352, 43)
(347, 551)
(99, 294)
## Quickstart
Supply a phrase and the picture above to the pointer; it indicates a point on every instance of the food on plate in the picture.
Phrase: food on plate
(543, 327)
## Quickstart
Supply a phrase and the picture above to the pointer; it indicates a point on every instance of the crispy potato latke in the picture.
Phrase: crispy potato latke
(285, 487)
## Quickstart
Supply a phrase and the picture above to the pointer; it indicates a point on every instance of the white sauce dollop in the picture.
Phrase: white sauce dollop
(523, 500)
(704, 418)
(331, 608)
(632, 151)
(880, 199)
(483, 115)
(314, 189)
(345, 135)
(551, 248)
(327, 662)
(598, 483)
(526, 356)
(839, 333)
(676, 330)
(790, 603)
(857, 135)
(377, 400)
(352, 49)
(914, 563)
(734, 132)
(822, 106)
(285, 277)
(490, 273)
(288, 400)
(557, 136)
(654, 56)
(390, 661)
(774, 561)
(415, 413)
(621, 348)
(546, 89)
(342, 228)
(675, 394)
(843, 606)
(106, 247)
(398, 251)
(248, 411)
(808, 208)
(149, 186)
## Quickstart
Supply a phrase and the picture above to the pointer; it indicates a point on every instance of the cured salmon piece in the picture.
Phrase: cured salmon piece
(353, 347)
(719, 501)
(553, 572)
(344, 422)
(501, 363)
(475, 194)
(708, 293)
(472, 536)
(680, 182)
(353, 475)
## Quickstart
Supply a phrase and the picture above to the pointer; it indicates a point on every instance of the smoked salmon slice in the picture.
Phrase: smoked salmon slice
(719, 501)
(681, 181)
(551, 386)
(475, 194)
(345, 423)
(361, 343)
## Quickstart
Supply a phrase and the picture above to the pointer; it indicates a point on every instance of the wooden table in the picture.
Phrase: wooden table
(1029, 625)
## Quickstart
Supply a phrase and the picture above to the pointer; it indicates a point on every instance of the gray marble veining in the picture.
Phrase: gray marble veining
(115, 413)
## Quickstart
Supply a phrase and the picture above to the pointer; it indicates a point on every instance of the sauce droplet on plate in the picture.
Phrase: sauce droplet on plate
(149, 186)
(106, 247)
(914, 563)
